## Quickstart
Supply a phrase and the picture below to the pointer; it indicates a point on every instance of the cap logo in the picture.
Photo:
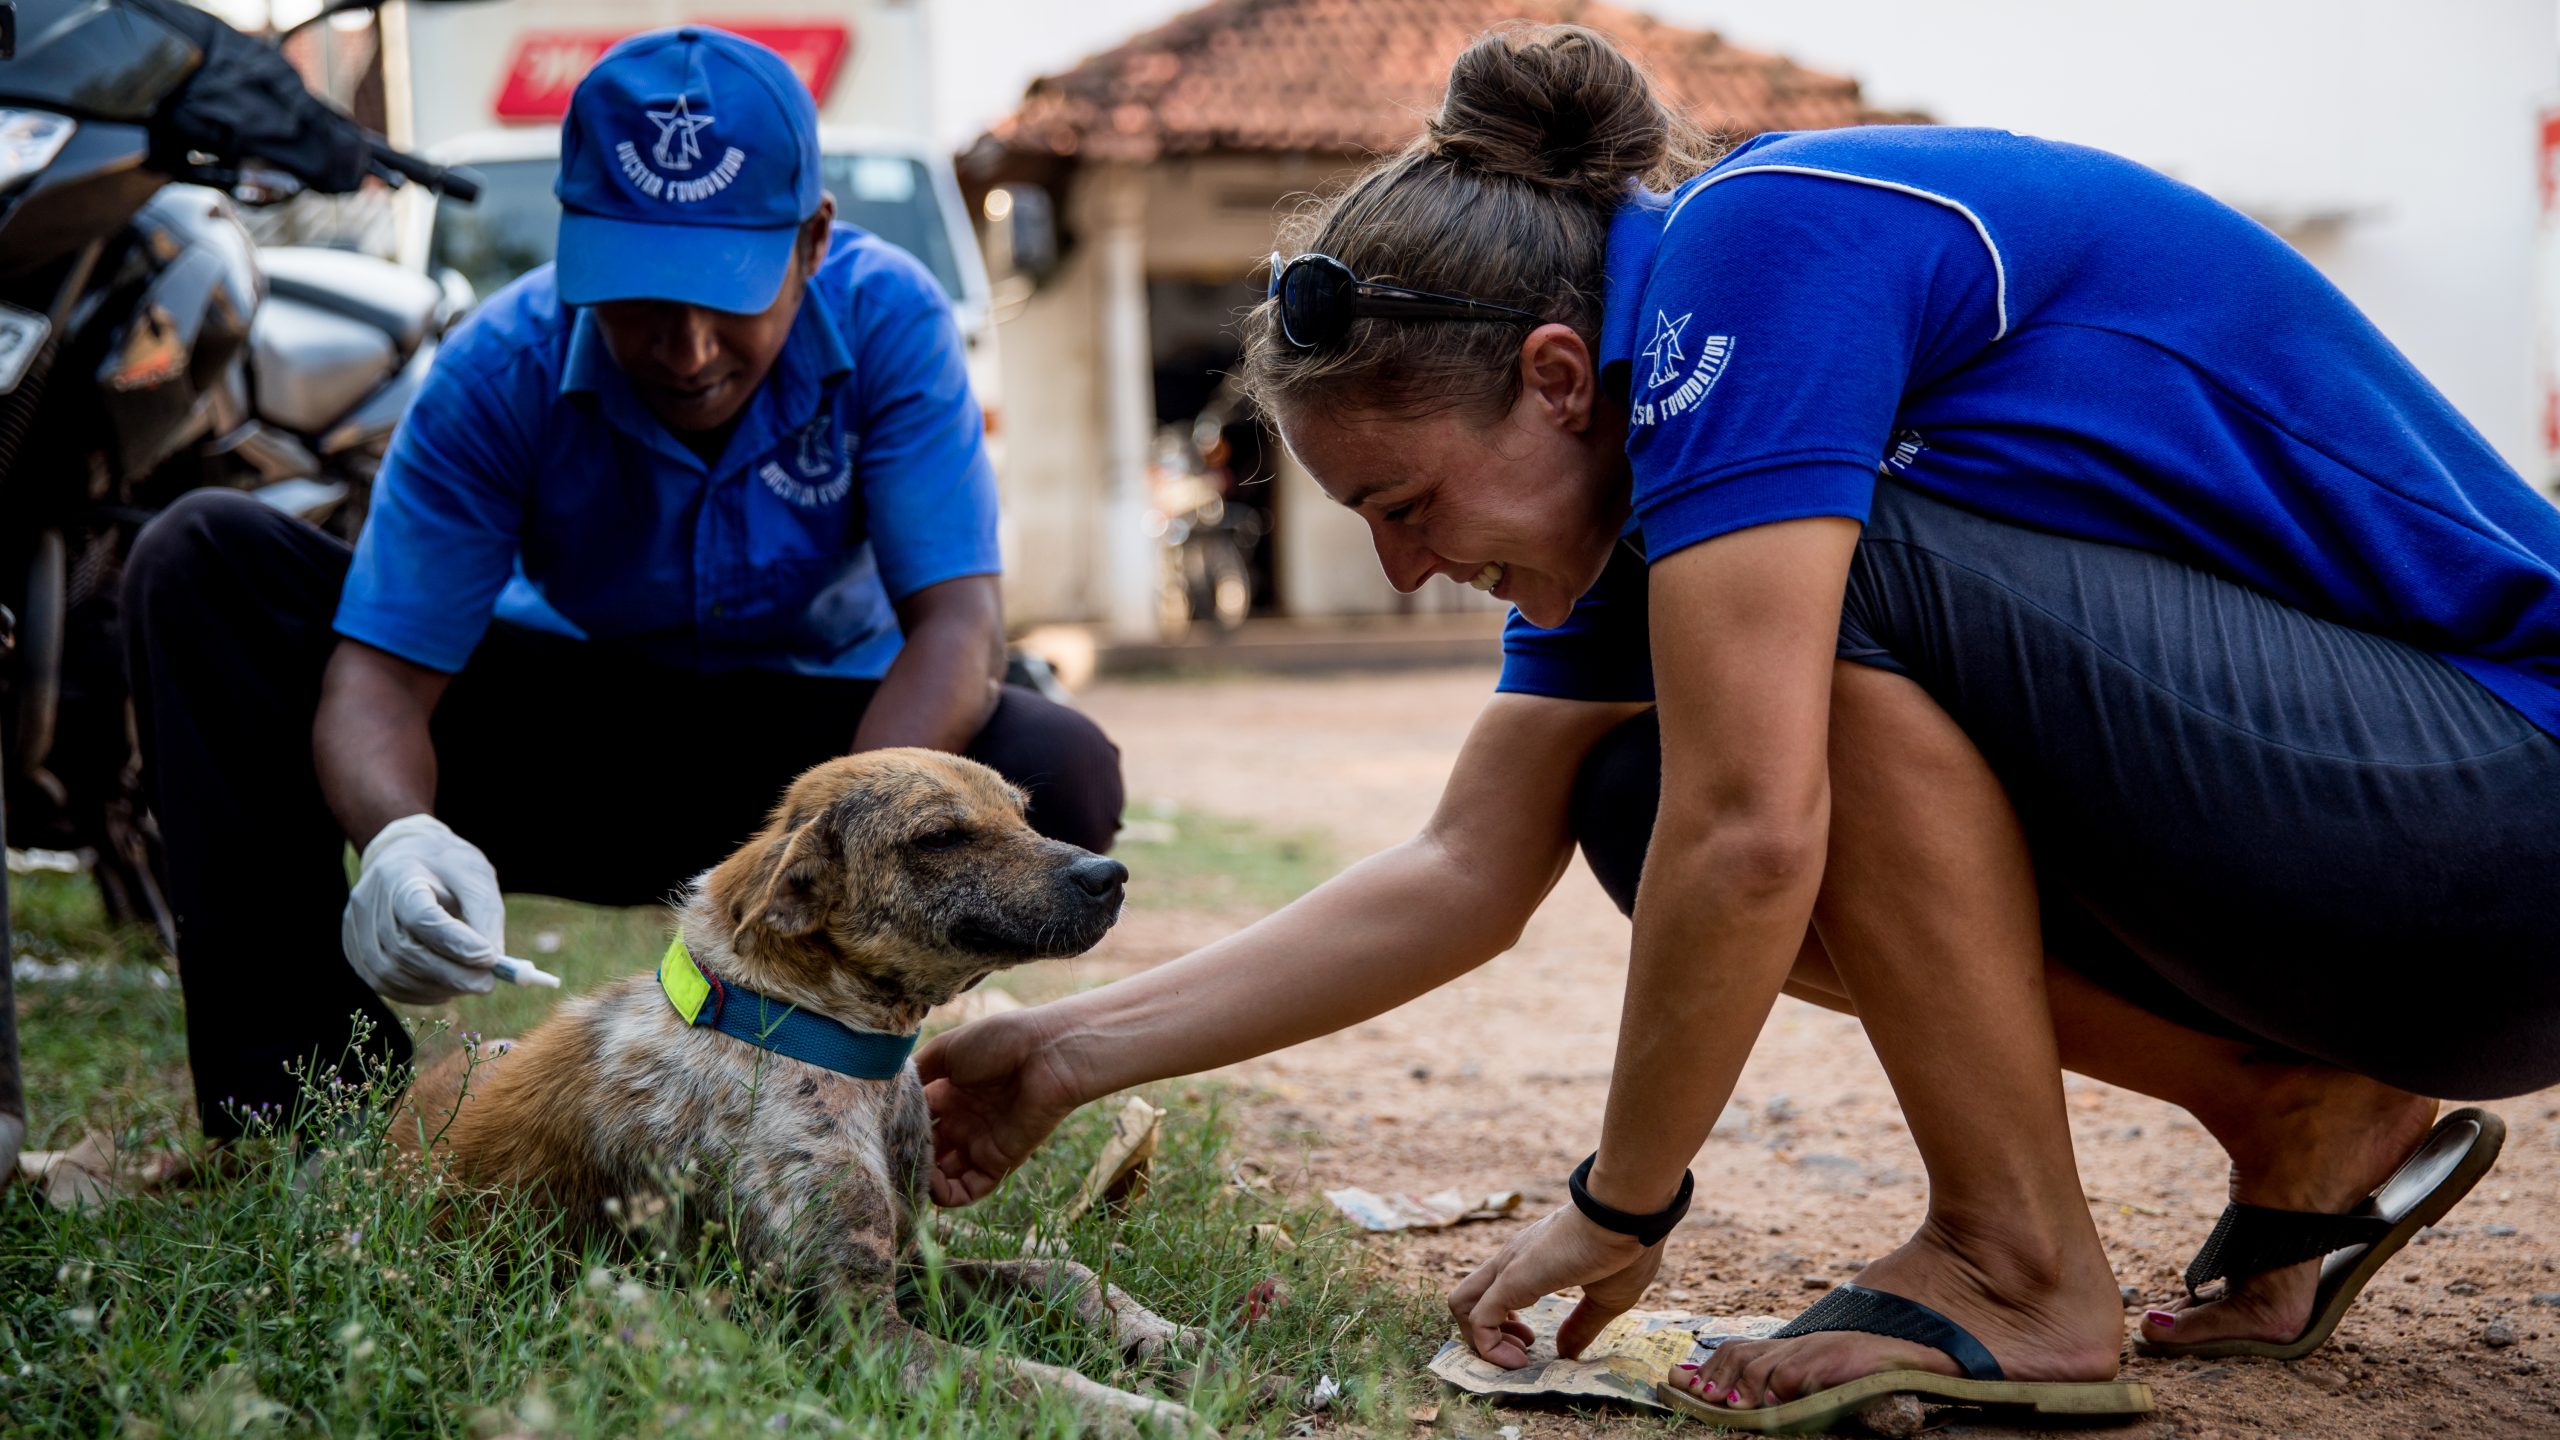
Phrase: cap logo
(677, 149)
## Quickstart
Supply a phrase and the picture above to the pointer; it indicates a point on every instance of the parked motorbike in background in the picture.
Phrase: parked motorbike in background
(13, 1096)
(146, 349)
(1208, 539)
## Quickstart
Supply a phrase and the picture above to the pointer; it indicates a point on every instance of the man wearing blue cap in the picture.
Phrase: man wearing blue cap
(699, 506)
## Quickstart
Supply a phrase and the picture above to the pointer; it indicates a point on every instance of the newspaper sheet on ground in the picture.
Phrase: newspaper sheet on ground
(1385, 1214)
(1637, 1349)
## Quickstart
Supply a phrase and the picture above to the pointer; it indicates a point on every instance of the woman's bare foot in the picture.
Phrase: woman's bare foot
(2049, 1316)
(2316, 1139)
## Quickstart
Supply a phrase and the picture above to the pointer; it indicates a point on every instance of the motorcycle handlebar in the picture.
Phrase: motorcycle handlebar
(460, 184)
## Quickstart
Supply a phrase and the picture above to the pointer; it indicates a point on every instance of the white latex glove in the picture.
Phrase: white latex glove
(401, 930)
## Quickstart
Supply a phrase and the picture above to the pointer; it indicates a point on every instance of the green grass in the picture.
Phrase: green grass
(112, 1039)
(328, 1298)
(1215, 863)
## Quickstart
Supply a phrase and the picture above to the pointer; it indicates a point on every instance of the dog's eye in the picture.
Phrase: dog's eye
(950, 837)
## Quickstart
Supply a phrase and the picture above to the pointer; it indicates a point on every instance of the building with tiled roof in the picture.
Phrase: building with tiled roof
(1268, 76)
(1142, 188)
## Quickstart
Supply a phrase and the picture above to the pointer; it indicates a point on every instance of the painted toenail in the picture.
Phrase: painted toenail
(2166, 1320)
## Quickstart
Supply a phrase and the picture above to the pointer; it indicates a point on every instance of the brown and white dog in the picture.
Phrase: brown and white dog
(884, 884)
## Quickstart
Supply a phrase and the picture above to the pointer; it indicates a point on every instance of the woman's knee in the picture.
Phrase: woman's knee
(1070, 768)
(1614, 799)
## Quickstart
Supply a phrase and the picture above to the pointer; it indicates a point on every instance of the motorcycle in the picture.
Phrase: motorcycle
(148, 348)
(1208, 538)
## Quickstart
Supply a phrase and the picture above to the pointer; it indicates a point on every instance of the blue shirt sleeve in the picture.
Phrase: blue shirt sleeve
(928, 490)
(1785, 318)
(448, 509)
(1603, 650)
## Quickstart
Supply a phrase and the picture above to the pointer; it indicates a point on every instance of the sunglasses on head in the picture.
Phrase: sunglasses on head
(1319, 298)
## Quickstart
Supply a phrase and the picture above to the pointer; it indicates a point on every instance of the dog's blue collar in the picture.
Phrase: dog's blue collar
(770, 1024)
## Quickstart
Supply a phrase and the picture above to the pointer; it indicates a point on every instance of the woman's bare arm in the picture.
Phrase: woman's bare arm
(1407, 920)
(1397, 924)
(1737, 848)
(1745, 628)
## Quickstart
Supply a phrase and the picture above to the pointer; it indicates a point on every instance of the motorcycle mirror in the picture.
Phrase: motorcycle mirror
(343, 7)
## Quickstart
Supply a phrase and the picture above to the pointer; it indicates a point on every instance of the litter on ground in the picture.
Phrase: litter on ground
(1386, 1214)
(1637, 1349)
(1119, 1173)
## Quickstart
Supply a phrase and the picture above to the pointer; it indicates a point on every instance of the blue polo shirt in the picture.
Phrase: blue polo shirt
(529, 483)
(2058, 338)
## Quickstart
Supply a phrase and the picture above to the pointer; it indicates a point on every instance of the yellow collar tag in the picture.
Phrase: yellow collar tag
(783, 1028)
(683, 981)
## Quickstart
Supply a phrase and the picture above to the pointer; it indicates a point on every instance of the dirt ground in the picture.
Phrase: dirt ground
(1496, 1082)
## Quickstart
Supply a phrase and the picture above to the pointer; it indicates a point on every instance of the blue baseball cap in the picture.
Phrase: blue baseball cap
(688, 159)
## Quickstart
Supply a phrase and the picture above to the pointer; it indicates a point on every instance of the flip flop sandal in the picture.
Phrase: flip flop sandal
(2254, 1239)
(1874, 1312)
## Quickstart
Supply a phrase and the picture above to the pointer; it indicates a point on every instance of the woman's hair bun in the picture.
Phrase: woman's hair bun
(1559, 106)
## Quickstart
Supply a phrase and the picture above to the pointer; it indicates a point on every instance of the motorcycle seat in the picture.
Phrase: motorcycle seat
(400, 303)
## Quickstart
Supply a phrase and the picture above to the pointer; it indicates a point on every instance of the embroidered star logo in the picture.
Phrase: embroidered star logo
(813, 458)
(1665, 352)
(676, 148)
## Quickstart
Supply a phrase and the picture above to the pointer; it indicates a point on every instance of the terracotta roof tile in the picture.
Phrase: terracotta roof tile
(1349, 75)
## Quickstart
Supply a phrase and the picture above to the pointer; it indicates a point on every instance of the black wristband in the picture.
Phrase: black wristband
(1648, 1228)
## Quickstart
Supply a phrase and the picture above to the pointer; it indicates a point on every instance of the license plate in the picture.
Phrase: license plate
(22, 334)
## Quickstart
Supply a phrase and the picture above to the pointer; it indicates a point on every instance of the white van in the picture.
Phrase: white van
(894, 187)
(485, 86)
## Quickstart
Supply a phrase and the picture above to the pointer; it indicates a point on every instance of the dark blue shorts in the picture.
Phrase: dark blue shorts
(2244, 818)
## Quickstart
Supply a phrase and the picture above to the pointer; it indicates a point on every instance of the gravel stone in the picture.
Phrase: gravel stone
(1896, 1417)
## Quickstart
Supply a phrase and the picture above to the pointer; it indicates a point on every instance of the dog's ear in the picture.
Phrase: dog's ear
(802, 888)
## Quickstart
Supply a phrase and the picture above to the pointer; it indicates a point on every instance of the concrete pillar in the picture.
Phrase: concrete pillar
(1129, 582)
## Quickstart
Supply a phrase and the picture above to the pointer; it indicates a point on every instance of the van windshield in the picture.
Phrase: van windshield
(517, 221)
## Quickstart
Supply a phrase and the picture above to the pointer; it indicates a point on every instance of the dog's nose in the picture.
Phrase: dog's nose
(1098, 877)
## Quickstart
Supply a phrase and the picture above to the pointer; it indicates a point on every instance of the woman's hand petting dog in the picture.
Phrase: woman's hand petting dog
(996, 1088)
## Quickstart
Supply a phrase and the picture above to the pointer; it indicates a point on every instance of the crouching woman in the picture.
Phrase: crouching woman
(1967, 581)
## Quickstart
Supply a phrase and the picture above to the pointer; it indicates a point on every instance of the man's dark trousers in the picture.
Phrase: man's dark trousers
(580, 772)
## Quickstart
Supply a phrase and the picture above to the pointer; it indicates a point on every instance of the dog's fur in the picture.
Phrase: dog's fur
(883, 884)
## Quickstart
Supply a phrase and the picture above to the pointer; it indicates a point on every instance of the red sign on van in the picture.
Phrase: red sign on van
(548, 64)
